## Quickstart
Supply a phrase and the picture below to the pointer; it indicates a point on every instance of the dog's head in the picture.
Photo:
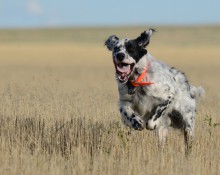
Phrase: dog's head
(126, 53)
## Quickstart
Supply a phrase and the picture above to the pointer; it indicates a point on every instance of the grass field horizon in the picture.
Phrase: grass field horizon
(59, 113)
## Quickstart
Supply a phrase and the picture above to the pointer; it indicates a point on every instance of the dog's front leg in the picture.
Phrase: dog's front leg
(130, 118)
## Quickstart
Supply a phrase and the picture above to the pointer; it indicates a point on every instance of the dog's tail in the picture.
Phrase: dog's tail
(197, 92)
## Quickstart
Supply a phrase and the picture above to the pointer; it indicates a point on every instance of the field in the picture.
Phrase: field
(59, 113)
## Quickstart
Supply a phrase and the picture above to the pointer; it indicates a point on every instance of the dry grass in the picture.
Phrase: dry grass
(58, 108)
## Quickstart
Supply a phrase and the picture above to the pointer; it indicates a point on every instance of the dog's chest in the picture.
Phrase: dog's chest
(142, 102)
(138, 97)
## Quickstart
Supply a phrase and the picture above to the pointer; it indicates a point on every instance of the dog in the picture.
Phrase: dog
(152, 95)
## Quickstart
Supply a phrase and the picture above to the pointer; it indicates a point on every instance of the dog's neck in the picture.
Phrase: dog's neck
(142, 64)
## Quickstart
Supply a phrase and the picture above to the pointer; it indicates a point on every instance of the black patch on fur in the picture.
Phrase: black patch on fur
(159, 113)
(160, 109)
(116, 49)
(152, 113)
(143, 39)
(134, 50)
(121, 110)
(131, 88)
(141, 91)
(136, 125)
(176, 119)
(133, 115)
(125, 113)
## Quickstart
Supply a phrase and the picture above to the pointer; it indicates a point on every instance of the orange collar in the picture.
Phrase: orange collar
(138, 81)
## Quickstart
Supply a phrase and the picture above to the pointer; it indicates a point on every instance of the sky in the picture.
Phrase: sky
(70, 13)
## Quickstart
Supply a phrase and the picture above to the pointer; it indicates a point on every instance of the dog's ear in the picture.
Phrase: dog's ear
(144, 39)
(111, 42)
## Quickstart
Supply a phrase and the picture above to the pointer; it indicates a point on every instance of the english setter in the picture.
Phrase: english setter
(152, 94)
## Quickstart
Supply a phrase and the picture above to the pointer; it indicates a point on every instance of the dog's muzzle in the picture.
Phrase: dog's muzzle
(123, 70)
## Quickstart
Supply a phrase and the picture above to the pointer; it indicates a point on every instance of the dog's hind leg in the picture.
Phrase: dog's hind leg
(189, 132)
(188, 137)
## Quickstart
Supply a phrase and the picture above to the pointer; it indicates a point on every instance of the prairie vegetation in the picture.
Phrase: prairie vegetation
(58, 108)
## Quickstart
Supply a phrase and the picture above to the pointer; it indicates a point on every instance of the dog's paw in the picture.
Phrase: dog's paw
(138, 124)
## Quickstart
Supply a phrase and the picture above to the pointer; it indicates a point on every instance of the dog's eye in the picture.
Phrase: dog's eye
(116, 49)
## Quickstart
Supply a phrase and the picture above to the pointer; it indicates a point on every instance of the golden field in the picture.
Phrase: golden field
(59, 113)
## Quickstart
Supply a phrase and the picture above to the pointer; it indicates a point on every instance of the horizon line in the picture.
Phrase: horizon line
(108, 26)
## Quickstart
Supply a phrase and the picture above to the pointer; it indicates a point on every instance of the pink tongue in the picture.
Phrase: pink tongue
(123, 69)
(123, 75)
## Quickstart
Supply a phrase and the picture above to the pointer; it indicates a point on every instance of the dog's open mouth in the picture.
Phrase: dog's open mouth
(123, 71)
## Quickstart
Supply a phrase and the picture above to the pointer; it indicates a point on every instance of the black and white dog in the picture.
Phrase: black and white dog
(152, 94)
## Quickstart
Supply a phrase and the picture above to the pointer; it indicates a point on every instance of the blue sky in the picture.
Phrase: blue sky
(59, 13)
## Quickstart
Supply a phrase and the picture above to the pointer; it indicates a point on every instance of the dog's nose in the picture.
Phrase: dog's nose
(120, 56)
